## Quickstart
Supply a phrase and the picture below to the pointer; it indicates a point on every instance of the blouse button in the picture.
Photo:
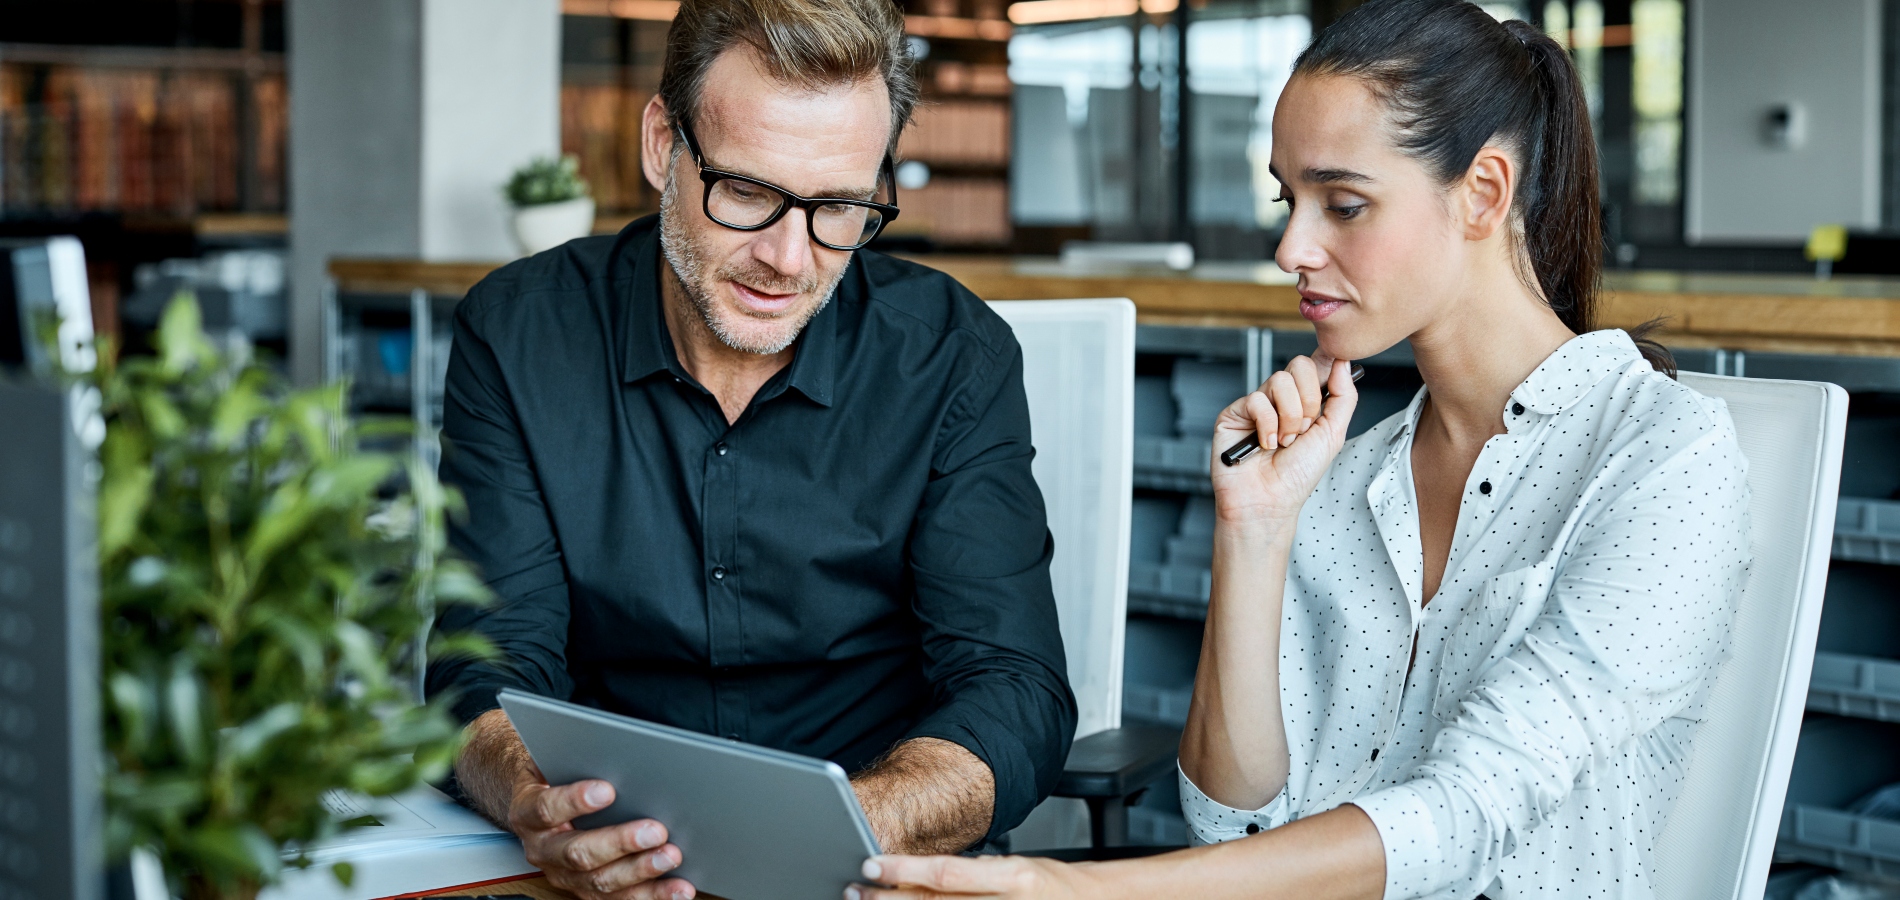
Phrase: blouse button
(719, 573)
(720, 448)
(1517, 409)
(1253, 828)
(1484, 487)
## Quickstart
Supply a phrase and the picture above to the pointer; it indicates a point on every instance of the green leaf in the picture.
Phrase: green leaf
(124, 493)
(236, 410)
(136, 706)
(184, 699)
(345, 873)
(249, 739)
(181, 340)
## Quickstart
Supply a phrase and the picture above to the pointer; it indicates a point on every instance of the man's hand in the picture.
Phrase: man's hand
(619, 862)
(622, 862)
(927, 796)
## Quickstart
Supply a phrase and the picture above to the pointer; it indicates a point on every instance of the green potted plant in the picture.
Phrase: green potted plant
(266, 578)
(551, 202)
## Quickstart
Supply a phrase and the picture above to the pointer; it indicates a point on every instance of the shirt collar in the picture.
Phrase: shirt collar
(649, 345)
(1560, 380)
(1577, 366)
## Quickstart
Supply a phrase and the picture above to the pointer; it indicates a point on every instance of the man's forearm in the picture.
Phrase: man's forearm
(927, 796)
(492, 764)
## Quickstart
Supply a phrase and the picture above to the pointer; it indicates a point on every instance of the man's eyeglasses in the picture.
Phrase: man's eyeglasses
(748, 204)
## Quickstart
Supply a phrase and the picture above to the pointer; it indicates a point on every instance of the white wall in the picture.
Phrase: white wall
(406, 117)
(491, 101)
(1746, 56)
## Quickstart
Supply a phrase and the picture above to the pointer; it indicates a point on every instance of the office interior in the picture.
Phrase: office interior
(327, 179)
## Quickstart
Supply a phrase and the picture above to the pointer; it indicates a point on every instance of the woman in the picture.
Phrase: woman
(1495, 614)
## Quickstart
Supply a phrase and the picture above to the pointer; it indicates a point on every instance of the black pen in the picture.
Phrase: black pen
(1233, 455)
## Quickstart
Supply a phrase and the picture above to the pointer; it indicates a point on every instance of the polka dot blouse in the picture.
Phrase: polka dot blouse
(1537, 746)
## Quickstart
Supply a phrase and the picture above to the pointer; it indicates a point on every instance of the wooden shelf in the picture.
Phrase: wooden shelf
(142, 57)
(953, 28)
(241, 224)
(1783, 314)
(1848, 316)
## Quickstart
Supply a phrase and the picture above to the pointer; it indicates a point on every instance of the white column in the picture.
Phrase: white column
(406, 118)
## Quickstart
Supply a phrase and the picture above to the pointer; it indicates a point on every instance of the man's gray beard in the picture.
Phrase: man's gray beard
(689, 266)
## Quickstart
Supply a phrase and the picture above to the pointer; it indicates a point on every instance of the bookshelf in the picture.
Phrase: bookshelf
(611, 57)
(149, 128)
(166, 108)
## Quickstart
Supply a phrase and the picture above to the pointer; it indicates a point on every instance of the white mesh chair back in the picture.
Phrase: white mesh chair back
(1720, 836)
(1079, 371)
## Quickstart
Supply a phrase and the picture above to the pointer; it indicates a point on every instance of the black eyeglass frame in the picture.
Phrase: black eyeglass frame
(711, 176)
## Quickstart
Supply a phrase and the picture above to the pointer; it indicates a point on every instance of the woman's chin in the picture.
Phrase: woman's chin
(1342, 341)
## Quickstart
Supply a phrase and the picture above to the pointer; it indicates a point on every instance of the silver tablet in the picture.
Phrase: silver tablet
(751, 823)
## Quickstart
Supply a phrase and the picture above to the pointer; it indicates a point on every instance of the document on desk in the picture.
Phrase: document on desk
(416, 842)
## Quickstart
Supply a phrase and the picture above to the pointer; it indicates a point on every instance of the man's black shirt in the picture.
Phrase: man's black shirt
(860, 559)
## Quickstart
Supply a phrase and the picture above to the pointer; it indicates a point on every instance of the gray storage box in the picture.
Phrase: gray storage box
(1867, 531)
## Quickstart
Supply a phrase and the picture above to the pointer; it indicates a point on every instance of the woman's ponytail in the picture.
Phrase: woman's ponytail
(1562, 219)
(1456, 79)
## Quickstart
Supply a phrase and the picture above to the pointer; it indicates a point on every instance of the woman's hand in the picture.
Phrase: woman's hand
(1298, 440)
(1011, 877)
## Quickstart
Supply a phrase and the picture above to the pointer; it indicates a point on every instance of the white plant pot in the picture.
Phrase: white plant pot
(546, 226)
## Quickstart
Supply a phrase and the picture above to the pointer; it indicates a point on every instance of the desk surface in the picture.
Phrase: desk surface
(1850, 315)
(537, 887)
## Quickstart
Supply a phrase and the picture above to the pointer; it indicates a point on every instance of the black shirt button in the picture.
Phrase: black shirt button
(1517, 409)
(1484, 487)
(1253, 828)
(720, 448)
(719, 573)
(732, 737)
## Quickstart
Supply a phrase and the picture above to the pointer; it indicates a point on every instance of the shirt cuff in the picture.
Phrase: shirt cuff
(1413, 859)
(1211, 821)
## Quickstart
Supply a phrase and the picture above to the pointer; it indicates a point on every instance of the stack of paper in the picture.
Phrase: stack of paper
(413, 843)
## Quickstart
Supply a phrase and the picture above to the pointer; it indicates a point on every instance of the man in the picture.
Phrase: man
(726, 474)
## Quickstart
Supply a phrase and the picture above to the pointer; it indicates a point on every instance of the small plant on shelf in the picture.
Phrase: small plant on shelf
(265, 580)
(547, 180)
(551, 204)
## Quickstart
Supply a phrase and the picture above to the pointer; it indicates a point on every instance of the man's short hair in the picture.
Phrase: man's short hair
(808, 43)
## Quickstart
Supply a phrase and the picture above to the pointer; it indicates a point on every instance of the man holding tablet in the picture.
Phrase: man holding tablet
(729, 473)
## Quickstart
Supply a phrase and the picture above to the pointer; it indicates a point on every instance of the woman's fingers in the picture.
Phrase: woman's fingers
(1344, 395)
(1307, 374)
(1259, 411)
(943, 874)
(1287, 406)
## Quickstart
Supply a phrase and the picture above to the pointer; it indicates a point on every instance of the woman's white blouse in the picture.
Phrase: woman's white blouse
(1540, 740)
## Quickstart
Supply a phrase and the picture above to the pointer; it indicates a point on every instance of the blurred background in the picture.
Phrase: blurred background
(329, 177)
(165, 130)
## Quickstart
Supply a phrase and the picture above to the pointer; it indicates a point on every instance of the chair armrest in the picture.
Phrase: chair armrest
(1119, 761)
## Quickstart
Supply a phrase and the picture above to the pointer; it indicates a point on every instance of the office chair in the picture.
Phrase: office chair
(1720, 836)
(1078, 370)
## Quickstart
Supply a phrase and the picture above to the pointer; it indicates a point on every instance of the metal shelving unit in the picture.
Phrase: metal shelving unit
(1850, 739)
(394, 349)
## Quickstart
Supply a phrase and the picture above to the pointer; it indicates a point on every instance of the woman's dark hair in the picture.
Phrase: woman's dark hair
(1455, 80)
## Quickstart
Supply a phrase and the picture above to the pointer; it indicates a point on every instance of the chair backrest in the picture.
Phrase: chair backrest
(1720, 835)
(1079, 371)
